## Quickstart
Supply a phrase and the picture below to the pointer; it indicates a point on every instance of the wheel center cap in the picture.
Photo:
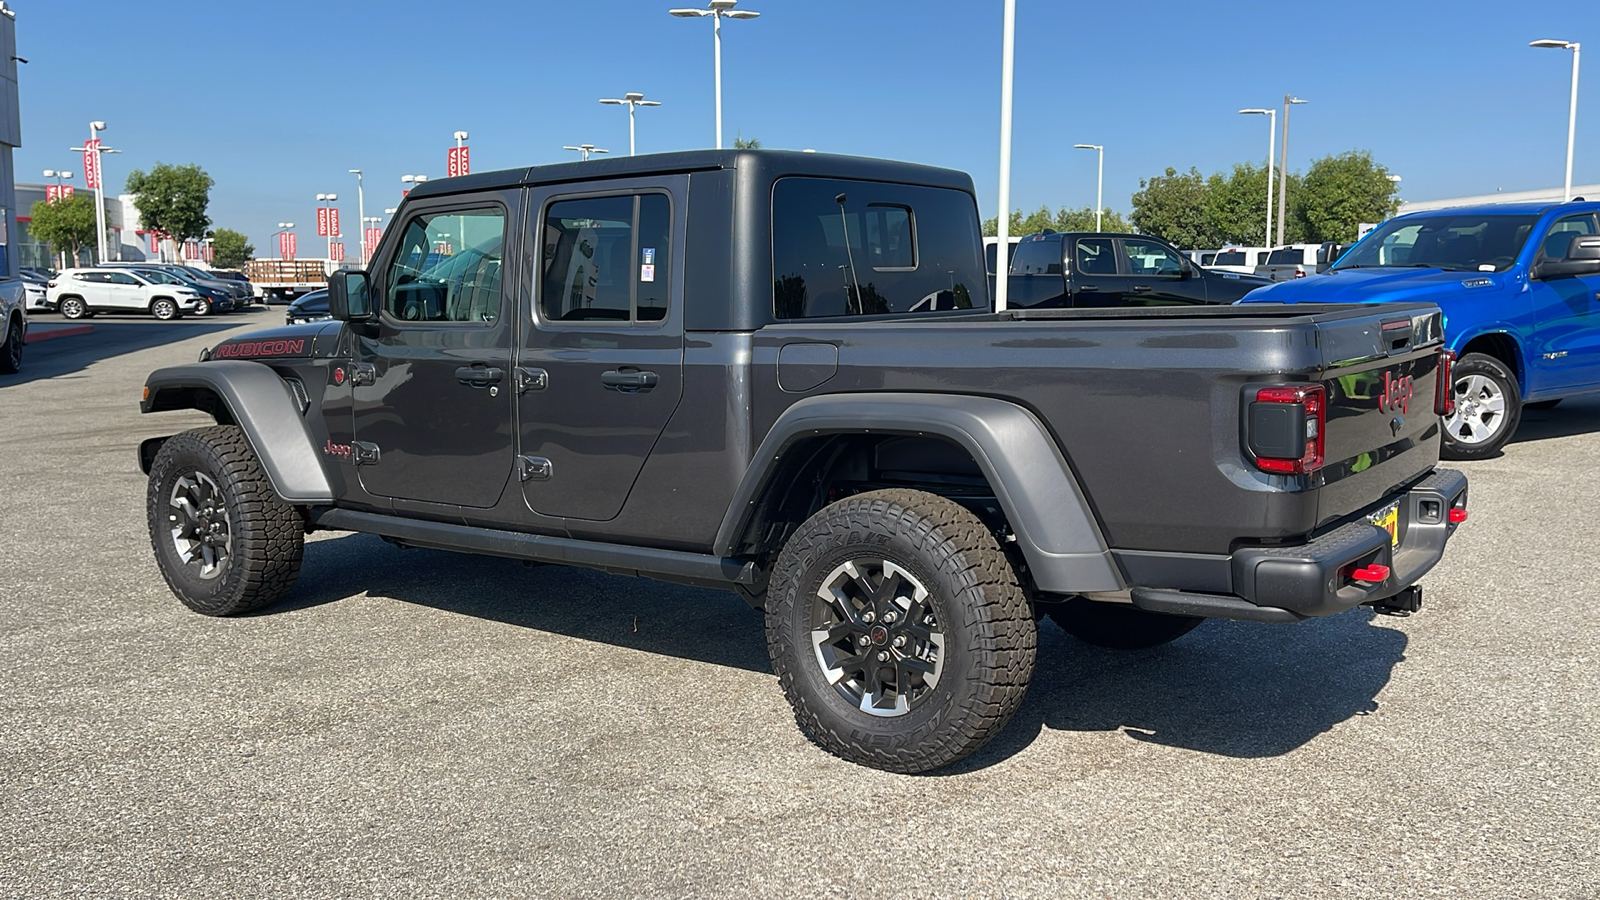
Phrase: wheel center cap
(879, 635)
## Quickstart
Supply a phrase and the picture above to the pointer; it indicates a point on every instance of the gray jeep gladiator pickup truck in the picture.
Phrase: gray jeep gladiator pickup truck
(780, 373)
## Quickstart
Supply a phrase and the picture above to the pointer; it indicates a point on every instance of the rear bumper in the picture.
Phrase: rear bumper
(1288, 584)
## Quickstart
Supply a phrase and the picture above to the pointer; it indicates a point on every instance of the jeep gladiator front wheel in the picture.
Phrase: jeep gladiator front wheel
(224, 542)
(898, 630)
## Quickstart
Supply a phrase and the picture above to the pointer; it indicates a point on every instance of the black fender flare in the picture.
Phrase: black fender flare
(1055, 528)
(262, 405)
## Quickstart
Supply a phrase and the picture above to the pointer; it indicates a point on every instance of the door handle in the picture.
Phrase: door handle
(1088, 287)
(479, 375)
(1140, 288)
(629, 382)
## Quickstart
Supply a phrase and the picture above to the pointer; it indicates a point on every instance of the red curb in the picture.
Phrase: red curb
(39, 333)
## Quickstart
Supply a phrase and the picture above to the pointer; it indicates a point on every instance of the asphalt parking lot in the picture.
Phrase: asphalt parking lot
(417, 723)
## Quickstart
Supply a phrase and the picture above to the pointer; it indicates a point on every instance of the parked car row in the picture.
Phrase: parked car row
(166, 292)
(1057, 270)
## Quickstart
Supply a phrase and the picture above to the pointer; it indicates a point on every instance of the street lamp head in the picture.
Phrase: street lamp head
(1256, 112)
(720, 5)
(407, 179)
(649, 103)
(1552, 44)
(332, 197)
(391, 210)
(689, 13)
(460, 135)
(355, 171)
(49, 173)
(1394, 179)
(1293, 101)
(321, 197)
(1088, 147)
(613, 101)
(635, 96)
(742, 14)
(97, 126)
(419, 178)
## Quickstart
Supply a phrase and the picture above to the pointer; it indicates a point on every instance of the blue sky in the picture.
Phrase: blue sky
(277, 100)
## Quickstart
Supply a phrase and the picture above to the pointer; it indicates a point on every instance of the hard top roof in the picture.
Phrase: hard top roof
(769, 163)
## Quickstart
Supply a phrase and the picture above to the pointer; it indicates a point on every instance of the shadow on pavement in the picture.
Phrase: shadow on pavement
(1227, 688)
(1575, 416)
(112, 338)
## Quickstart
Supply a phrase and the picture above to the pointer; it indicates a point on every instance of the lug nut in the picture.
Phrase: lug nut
(868, 617)
(863, 640)
(889, 617)
(883, 656)
(899, 640)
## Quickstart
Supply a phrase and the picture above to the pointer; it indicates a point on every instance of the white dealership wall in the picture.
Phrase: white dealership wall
(1543, 195)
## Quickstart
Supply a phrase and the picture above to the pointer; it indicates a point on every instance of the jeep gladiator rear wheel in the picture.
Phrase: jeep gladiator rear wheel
(1488, 408)
(224, 542)
(1119, 626)
(898, 630)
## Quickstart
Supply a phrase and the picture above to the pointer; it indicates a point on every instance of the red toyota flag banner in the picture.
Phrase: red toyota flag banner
(155, 245)
(66, 192)
(462, 162)
(333, 222)
(336, 251)
(322, 221)
(451, 166)
(51, 193)
(91, 163)
(294, 244)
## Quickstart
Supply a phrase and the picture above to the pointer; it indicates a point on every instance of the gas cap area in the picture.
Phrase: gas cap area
(805, 365)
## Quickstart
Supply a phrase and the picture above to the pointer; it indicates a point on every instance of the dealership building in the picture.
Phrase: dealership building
(1543, 195)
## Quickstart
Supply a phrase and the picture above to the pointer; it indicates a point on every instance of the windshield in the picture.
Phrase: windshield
(157, 276)
(1455, 243)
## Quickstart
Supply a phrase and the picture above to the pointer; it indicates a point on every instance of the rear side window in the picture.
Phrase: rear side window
(448, 268)
(1230, 258)
(1151, 258)
(854, 248)
(607, 258)
(1037, 258)
(1095, 257)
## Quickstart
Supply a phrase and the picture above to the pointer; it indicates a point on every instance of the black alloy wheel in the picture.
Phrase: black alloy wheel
(876, 636)
(11, 350)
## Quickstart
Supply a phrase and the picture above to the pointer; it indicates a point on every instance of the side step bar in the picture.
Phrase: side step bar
(701, 569)
(1213, 606)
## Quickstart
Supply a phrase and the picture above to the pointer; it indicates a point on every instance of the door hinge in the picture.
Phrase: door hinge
(533, 468)
(363, 453)
(363, 374)
(531, 379)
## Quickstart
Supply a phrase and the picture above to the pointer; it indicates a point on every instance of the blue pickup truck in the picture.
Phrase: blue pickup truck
(1519, 284)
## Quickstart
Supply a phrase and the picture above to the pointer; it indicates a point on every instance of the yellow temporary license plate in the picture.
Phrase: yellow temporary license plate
(1388, 520)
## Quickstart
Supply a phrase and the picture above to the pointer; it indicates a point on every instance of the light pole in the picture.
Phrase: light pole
(59, 174)
(282, 227)
(1272, 138)
(1572, 110)
(631, 100)
(1283, 166)
(1003, 220)
(586, 149)
(1099, 181)
(361, 212)
(327, 220)
(93, 147)
(718, 10)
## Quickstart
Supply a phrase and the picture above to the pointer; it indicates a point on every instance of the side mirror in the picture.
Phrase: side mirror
(349, 300)
(1583, 258)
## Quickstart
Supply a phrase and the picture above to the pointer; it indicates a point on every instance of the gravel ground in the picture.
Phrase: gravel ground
(417, 723)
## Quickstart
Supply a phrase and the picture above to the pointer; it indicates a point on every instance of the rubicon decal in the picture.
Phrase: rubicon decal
(1397, 393)
(260, 348)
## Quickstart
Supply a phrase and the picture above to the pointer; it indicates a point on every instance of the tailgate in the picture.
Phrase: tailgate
(1382, 433)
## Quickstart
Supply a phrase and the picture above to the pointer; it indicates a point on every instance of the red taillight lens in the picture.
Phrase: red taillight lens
(1444, 388)
(1299, 273)
(1314, 400)
(1458, 515)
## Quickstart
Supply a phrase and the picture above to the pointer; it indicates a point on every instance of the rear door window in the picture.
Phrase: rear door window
(608, 258)
(1096, 256)
(852, 248)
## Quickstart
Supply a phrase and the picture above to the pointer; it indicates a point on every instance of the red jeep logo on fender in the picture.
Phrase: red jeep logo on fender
(1397, 393)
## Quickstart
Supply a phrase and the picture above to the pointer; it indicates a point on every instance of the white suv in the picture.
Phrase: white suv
(77, 293)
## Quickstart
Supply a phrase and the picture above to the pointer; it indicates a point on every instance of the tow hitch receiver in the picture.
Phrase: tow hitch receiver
(1402, 604)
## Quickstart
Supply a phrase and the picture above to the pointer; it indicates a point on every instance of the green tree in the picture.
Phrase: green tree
(1338, 193)
(230, 249)
(173, 199)
(1063, 219)
(740, 142)
(66, 224)
(1173, 206)
(1236, 206)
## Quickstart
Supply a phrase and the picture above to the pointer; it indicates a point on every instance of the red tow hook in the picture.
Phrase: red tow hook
(1458, 515)
(1373, 574)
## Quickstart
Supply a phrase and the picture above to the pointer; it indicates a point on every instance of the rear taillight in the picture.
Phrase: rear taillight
(1299, 273)
(1286, 428)
(51, 284)
(1444, 388)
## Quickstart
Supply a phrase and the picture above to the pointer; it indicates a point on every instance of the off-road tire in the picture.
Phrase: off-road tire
(986, 626)
(164, 309)
(11, 350)
(1543, 404)
(1503, 381)
(266, 536)
(1119, 626)
(73, 308)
